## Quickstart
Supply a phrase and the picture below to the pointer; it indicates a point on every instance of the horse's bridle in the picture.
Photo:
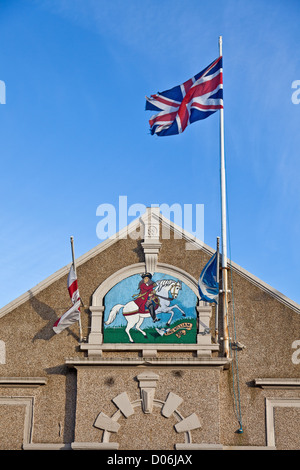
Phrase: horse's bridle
(162, 297)
(168, 298)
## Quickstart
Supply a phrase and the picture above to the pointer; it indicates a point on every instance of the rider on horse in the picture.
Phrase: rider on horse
(146, 299)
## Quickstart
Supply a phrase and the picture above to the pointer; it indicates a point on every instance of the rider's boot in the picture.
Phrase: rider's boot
(152, 313)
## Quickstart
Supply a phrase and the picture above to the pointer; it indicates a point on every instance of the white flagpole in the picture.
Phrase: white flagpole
(74, 267)
(217, 304)
(223, 225)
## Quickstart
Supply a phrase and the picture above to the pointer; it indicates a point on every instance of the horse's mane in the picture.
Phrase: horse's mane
(164, 282)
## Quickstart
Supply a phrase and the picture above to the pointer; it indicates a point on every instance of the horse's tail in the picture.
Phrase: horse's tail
(113, 313)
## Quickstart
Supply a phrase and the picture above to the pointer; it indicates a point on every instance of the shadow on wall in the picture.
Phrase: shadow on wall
(48, 314)
(68, 430)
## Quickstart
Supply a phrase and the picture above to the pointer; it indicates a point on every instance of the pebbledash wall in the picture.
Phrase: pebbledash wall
(171, 389)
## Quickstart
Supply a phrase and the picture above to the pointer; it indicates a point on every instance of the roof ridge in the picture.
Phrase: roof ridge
(121, 234)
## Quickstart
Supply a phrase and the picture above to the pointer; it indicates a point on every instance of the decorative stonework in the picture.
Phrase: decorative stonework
(2, 353)
(169, 407)
(151, 244)
(151, 250)
(111, 308)
(28, 403)
(171, 404)
(271, 404)
(147, 383)
(123, 403)
(107, 423)
(188, 424)
(95, 346)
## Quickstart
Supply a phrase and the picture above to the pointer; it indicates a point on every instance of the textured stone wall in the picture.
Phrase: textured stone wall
(66, 406)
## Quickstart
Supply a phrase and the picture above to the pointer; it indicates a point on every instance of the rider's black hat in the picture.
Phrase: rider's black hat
(147, 275)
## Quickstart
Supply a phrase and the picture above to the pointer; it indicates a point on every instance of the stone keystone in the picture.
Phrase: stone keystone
(147, 383)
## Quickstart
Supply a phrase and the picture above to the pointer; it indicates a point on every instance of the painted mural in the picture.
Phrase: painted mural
(150, 309)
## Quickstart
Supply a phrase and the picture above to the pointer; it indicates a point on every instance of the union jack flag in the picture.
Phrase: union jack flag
(184, 104)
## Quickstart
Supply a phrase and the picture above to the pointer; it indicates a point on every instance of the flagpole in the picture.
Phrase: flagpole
(74, 267)
(217, 304)
(223, 225)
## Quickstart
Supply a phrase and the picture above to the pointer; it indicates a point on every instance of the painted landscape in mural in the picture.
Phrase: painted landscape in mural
(150, 309)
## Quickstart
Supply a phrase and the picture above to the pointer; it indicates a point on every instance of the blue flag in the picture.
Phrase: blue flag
(207, 284)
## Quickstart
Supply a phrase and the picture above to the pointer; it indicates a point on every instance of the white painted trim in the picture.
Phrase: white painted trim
(195, 446)
(22, 382)
(272, 403)
(94, 446)
(115, 446)
(277, 383)
(28, 402)
(47, 446)
(138, 268)
(95, 339)
(222, 362)
(248, 448)
(115, 278)
(198, 244)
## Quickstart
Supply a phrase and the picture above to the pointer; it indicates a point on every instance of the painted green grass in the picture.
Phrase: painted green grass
(118, 334)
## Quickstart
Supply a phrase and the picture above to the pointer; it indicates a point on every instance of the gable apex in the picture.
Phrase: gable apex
(151, 217)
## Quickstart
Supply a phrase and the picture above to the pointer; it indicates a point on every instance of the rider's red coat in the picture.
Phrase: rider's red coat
(145, 291)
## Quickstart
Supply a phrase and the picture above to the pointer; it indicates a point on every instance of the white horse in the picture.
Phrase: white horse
(131, 310)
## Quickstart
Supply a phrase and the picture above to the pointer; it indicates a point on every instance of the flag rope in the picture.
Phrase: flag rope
(237, 397)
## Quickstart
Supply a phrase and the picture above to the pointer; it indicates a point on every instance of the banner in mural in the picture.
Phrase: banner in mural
(150, 309)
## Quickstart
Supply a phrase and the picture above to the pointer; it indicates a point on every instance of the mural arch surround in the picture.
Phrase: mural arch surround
(197, 323)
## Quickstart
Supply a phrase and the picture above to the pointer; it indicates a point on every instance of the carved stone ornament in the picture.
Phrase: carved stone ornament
(147, 383)
(125, 407)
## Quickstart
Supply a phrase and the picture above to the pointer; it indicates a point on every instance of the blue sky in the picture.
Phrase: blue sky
(75, 135)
